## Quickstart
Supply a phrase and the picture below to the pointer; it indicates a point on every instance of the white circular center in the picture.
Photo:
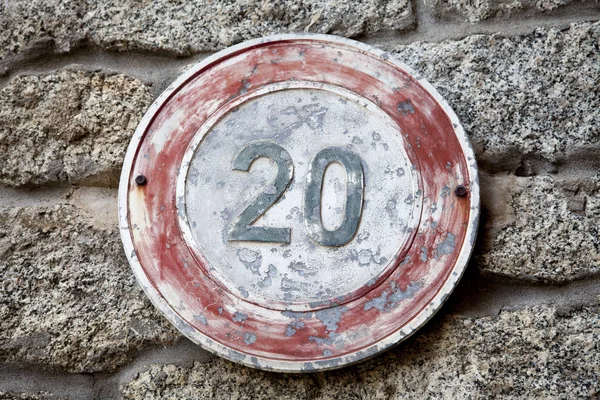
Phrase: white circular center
(301, 274)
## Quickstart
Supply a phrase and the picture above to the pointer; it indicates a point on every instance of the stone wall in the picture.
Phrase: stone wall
(523, 77)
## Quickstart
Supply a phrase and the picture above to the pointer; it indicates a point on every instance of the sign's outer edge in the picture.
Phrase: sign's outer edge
(298, 366)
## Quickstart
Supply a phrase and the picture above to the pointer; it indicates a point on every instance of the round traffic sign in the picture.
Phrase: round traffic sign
(299, 202)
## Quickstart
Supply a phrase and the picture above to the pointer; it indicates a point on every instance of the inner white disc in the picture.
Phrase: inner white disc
(301, 274)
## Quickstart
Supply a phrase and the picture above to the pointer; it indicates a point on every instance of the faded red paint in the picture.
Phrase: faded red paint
(164, 254)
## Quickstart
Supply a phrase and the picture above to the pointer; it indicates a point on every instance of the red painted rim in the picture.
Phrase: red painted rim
(206, 309)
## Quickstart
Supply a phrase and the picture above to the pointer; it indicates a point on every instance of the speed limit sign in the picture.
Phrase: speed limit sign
(299, 202)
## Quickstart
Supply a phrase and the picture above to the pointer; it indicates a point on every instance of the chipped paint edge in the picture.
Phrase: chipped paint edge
(298, 366)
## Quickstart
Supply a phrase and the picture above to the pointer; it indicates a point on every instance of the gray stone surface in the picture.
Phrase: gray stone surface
(531, 107)
(529, 353)
(69, 302)
(68, 126)
(68, 298)
(476, 11)
(533, 94)
(184, 27)
(540, 228)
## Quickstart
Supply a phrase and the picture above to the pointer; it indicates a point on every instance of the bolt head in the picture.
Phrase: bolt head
(461, 191)
(140, 180)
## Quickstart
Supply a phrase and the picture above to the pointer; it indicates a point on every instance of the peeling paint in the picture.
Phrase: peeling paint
(406, 107)
(331, 317)
(291, 329)
(329, 340)
(235, 355)
(249, 338)
(251, 259)
(388, 300)
(239, 317)
(423, 256)
(243, 291)
(328, 363)
(267, 280)
(446, 191)
(447, 246)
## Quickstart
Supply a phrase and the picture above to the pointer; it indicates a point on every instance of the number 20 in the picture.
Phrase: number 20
(241, 228)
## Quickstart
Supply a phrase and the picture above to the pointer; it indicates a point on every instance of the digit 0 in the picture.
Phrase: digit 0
(354, 196)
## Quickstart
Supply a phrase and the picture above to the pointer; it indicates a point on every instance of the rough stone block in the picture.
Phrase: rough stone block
(540, 228)
(68, 298)
(184, 27)
(476, 11)
(68, 126)
(531, 107)
(513, 355)
(534, 94)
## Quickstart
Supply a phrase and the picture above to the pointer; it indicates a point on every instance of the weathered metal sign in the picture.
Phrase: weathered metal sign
(299, 202)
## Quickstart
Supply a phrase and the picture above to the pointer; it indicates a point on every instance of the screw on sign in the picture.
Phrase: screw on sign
(299, 203)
